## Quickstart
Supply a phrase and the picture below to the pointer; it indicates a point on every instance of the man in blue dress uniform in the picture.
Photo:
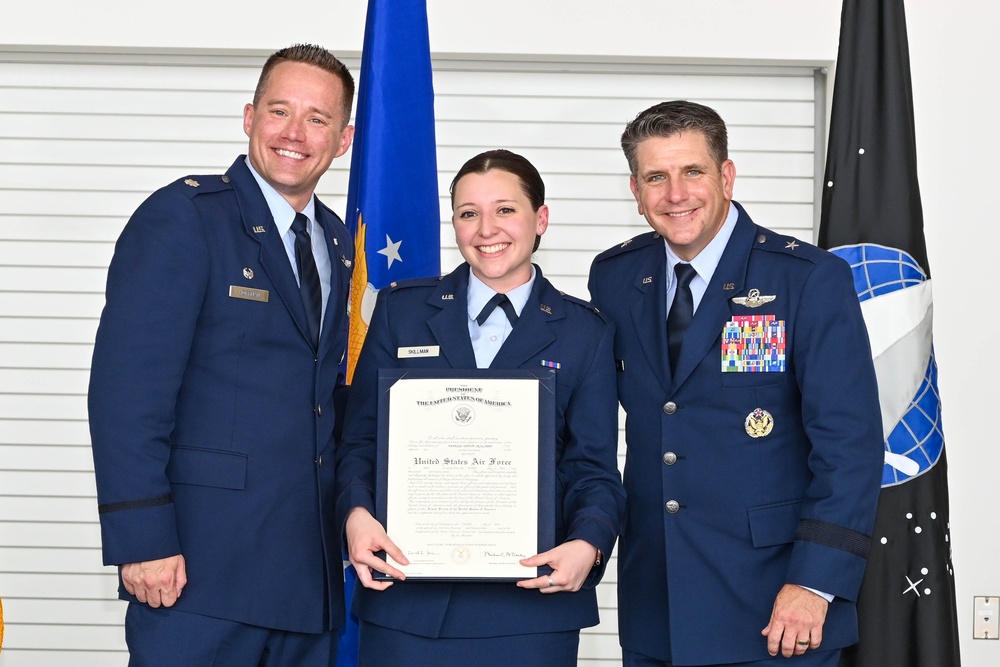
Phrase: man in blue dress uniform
(753, 427)
(211, 395)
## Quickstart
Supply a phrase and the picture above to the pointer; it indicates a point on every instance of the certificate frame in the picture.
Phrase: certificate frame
(389, 514)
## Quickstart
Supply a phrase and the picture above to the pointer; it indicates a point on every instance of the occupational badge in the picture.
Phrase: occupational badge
(753, 299)
(759, 423)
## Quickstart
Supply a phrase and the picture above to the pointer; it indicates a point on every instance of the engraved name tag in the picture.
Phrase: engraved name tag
(424, 351)
(248, 293)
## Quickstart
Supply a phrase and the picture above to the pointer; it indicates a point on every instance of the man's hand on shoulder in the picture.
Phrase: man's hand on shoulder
(156, 582)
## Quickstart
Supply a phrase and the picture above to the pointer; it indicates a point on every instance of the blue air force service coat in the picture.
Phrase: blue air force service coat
(589, 497)
(757, 462)
(211, 414)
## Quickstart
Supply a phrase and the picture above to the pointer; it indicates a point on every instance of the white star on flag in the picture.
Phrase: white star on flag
(391, 250)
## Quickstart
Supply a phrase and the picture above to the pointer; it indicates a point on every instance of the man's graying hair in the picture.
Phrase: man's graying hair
(667, 119)
(317, 56)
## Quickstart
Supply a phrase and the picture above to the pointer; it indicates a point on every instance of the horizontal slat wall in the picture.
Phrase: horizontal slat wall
(85, 138)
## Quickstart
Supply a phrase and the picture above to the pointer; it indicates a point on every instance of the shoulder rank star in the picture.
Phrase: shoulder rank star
(753, 299)
(791, 245)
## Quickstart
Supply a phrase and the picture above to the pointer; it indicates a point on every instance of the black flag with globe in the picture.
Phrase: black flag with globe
(872, 217)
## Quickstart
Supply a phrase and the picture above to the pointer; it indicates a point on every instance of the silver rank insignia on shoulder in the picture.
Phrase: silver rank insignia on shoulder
(193, 183)
(791, 245)
(626, 243)
(759, 423)
(248, 273)
(753, 299)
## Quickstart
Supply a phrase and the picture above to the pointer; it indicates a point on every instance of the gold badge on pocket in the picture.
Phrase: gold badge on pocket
(759, 423)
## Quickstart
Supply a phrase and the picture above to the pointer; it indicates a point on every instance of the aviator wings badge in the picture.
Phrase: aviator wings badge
(753, 299)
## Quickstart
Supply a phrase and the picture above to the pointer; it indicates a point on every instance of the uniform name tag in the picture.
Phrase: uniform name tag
(424, 351)
(249, 293)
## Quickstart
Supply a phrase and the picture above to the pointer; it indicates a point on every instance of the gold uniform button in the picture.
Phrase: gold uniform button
(670, 458)
(670, 407)
(673, 507)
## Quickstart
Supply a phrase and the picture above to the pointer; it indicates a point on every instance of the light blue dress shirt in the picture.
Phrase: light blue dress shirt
(489, 338)
(284, 215)
(704, 263)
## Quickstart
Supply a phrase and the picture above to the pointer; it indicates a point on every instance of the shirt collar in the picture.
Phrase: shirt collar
(706, 261)
(281, 211)
(480, 293)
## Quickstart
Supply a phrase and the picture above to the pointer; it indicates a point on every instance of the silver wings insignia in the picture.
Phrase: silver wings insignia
(753, 299)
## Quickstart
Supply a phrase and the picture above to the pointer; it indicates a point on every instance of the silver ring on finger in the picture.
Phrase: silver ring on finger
(550, 581)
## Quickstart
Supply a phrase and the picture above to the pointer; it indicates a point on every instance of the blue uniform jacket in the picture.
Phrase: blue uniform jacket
(211, 415)
(718, 519)
(590, 499)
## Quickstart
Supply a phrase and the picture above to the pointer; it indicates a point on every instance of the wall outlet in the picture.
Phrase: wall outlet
(986, 617)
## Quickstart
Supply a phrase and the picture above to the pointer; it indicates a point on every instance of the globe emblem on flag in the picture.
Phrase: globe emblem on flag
(915, 444)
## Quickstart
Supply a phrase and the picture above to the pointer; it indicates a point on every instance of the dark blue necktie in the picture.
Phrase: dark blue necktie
(504, 303)
(681, 311)
(309, 287)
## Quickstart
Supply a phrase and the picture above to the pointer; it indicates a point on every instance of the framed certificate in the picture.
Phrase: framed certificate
(466, 471)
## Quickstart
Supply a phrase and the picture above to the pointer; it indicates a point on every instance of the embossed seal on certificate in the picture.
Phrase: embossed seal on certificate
(461, 555)
(463, 415)
(759, 423)
(753, 299)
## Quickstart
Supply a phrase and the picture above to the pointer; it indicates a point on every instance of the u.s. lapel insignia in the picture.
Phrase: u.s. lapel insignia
(753, 299)
(647, 280)
(447, 297)
(729, 287)
(193, 183)
(335, 241)
(259, 229)
(759, 423)
(546, 309)
(791, 245)
(248, 273)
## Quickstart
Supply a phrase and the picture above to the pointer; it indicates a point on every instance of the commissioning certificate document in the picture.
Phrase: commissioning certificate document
(466, 471)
